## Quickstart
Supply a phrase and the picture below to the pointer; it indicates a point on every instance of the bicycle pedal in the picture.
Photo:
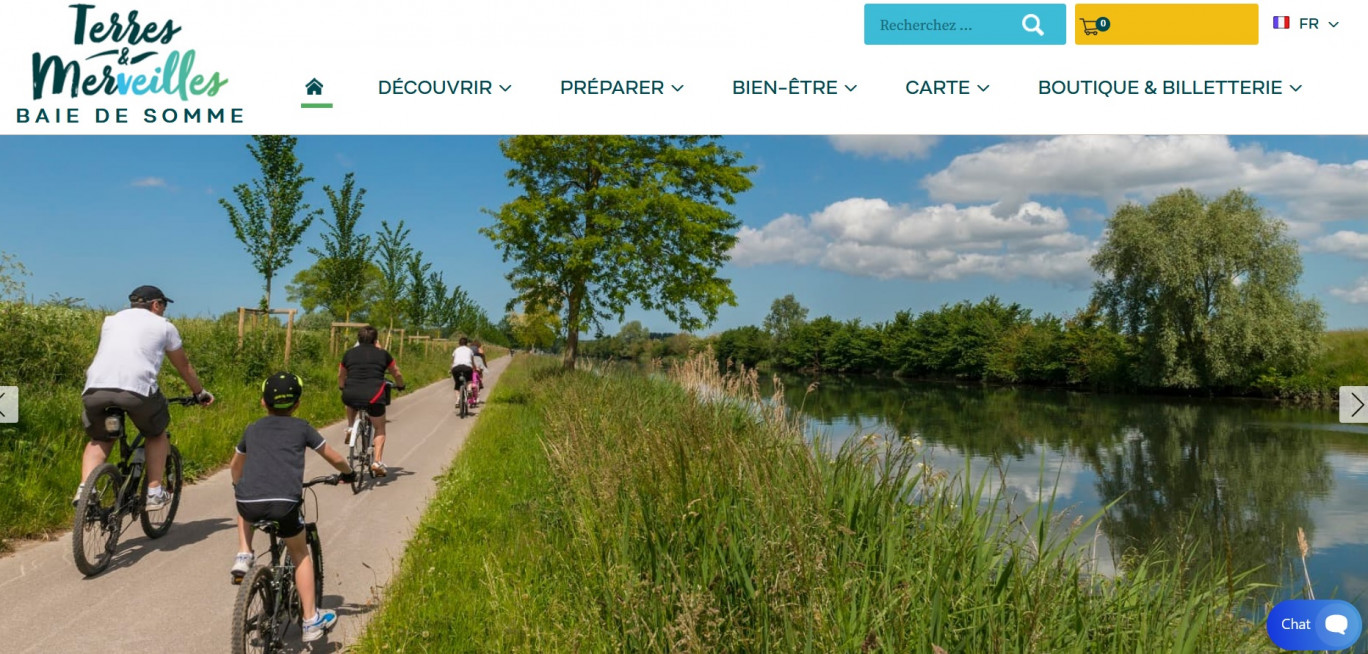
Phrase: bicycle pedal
(237, 581)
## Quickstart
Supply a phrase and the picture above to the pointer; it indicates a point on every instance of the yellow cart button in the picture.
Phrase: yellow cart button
(1166, 24)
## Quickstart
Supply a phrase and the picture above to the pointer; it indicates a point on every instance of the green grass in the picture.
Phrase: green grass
(1342, 361)
(608, 512)
(47, 349)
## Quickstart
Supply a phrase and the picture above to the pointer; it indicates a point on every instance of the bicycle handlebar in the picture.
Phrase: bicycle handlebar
(188, 400)
(331, 480)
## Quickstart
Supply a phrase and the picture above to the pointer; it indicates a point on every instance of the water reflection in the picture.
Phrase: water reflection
(1235, 478)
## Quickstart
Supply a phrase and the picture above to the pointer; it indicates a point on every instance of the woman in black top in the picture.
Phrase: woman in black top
(361, 378)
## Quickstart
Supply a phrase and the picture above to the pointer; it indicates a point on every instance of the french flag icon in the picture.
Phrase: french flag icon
(1282, 22)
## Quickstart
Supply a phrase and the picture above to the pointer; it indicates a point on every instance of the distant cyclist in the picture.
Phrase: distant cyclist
(463, 365)
(483, 364)
(124, 375)
(361, 378)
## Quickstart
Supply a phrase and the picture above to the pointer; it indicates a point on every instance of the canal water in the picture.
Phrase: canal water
(1237, 476)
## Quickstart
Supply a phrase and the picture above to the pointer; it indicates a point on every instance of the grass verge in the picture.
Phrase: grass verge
(608, 512)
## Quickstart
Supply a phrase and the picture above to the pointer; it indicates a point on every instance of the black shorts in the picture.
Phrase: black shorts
(149, 413)
(375, 409)
(289, 521)
(459, 373)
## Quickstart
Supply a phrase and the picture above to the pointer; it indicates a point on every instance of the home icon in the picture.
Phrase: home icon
(315, 87)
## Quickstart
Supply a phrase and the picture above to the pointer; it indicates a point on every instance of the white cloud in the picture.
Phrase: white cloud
(869, 237)
(1121, 168)
(784, 239)
(1356, 295)
(150, 182)
(886, 147)
(1350, 244)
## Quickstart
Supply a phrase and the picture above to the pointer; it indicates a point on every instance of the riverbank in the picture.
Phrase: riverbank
(45, 350)
(1341, 361)
(608, 512)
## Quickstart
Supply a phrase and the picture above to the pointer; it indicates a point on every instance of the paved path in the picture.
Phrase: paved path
(174, 595)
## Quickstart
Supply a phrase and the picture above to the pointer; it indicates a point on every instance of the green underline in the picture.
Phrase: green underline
(316, 105)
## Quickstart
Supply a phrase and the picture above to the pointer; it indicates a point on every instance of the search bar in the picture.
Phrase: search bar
(961, 24)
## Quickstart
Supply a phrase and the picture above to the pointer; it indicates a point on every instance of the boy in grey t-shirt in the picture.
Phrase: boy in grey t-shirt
(268, 483)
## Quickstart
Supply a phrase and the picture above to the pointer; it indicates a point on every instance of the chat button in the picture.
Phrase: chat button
(1314, 625)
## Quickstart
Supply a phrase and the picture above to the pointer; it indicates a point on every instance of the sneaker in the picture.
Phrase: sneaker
(80, 490)
(378, 469)
(242, 564)
(157, 498)
(319, 625)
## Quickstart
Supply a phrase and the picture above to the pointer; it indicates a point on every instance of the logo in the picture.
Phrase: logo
(127, 55)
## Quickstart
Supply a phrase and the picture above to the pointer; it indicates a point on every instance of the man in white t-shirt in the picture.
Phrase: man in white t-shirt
(462, 364)
(124, 375)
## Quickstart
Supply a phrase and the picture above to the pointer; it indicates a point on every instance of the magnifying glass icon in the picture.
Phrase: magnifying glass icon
(1031, 23)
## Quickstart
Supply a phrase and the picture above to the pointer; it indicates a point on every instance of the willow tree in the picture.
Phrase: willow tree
(1207, 291)
(604, 222)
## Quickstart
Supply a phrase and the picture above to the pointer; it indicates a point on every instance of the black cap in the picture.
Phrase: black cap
(282, 390)
(148, 294)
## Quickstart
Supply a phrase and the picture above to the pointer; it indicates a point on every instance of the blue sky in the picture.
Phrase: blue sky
(852, 226)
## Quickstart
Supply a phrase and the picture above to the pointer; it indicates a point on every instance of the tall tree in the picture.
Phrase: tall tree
(1206, 289)
(418, 301)
(395, 251)
(784, 317)
(605, 221)
(346, 253)
(273, 216)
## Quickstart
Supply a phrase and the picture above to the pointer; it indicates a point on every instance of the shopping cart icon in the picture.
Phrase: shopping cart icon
(1092, 27)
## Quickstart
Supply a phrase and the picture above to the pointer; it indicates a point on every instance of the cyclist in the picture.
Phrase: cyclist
(484, 365)
(268, 484)
(361, 378)
(463, 366)
(124, 375)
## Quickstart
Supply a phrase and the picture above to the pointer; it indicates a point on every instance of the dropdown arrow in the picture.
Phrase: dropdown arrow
(1334, 23)
(984, 87)
(677, 87)
(505, 88)
(851, 87)
(1295, 87)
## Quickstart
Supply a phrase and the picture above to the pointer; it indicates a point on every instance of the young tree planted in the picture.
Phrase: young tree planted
(273, 216)
(418, 302)
(1206, 289)
(604, 222)
(394, 250)
(345, 255)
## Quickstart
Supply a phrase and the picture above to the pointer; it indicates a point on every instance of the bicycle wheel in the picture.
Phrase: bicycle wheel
(465, 407)
(256, 622)
(315, 552)
(155, 523)
(356, 457)
(95, 531)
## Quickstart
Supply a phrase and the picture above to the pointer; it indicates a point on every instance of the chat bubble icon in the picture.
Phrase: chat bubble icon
(1336, 624)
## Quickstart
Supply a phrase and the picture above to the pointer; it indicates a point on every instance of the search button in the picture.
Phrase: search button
(966, 24)
(1314, 625)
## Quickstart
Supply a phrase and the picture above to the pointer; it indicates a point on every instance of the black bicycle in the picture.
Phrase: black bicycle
(463, 399)
(361, 443)
(268, 604)
(115, 491)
